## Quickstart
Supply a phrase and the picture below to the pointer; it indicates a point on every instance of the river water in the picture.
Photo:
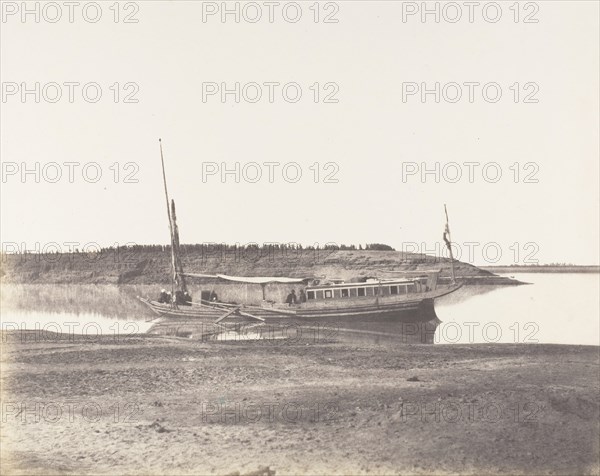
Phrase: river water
(556, 308)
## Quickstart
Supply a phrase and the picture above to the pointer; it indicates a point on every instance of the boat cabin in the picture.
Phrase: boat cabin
(371, 288)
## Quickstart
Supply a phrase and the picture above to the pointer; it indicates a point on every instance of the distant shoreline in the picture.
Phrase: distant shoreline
(542, 269)
(152, 265)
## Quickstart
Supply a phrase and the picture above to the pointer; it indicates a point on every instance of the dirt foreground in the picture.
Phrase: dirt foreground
(158, 405)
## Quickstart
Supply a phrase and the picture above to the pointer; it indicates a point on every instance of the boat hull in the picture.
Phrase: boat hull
(407, 308)
(413, 318)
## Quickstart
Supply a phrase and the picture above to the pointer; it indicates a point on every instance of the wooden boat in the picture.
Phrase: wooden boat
(408, 298)
(389, 298)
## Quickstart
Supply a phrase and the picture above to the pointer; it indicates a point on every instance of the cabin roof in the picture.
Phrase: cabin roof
(249, 279)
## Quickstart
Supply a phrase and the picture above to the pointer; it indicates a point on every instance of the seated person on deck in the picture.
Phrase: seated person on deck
(291, 298)
(302, 297)
(164, 297)
(181, 299)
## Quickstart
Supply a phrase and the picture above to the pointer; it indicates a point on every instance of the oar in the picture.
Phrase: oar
(247, 314)
(228, 313)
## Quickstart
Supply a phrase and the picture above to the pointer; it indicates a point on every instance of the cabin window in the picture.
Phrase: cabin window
(344, 293)
(319, 294)
(376, 291)
(410, 288)
(352, 292)
(310, 295)
(361, 292)
(328, 294)
(402, 289)
(369, 291)
(385, 290)
(337, 293)
(393, 289)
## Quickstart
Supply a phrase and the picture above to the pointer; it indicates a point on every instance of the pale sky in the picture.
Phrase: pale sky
(370, 133)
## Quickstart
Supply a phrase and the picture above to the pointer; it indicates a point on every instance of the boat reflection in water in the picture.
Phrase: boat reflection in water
(378, 332)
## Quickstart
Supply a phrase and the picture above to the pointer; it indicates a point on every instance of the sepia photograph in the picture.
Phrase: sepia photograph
(312, 237)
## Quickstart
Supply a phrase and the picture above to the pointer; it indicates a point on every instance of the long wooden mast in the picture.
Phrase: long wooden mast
(173, 268)
(449, 244)
(179, 276)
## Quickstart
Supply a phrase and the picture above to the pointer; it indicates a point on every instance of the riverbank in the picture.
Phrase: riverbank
(542, 269)
(152, 265)
(156, 405)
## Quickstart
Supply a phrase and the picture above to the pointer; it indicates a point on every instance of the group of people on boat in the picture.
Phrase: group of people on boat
(182, 298)
(293, 299)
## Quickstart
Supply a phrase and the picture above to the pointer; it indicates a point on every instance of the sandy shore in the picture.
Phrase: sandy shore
(156, 405)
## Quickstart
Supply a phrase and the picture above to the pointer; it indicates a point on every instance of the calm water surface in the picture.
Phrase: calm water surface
(557, 308)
